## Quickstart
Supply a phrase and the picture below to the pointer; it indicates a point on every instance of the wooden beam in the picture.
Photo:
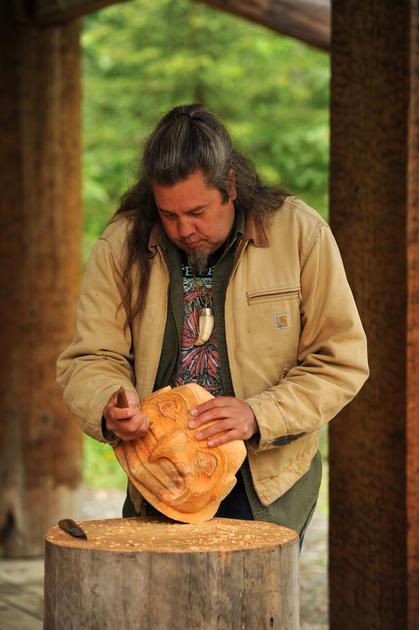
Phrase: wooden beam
(49, 11)
(374, 444)
(55, 11)
(306, 20)
(40, 267)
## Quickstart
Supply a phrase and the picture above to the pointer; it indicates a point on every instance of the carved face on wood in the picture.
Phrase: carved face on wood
(179, 475)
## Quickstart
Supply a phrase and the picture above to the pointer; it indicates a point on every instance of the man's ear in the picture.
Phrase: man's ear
(231, 185)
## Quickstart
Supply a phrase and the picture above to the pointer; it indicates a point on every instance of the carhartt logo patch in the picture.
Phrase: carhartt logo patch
(281, 320)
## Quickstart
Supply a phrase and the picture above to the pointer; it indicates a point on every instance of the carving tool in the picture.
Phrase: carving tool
(71, 527)
(121, 398)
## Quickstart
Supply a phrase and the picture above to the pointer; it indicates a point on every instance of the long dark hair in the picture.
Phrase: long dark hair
(187, 139)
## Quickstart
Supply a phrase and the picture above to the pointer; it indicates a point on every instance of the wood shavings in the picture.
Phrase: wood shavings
(144, 534)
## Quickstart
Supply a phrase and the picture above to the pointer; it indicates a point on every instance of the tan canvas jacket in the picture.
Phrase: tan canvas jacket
(296, 347)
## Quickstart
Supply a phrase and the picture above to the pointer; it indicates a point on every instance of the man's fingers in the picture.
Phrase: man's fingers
(122, 414)
(126, 422)
(131, 430)
(228, 436)
(215, 413)
(214, 403)
(129, 437)
(132, 398)
(217, 427)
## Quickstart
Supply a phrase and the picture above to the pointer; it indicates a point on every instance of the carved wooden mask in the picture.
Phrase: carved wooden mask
(179, 475)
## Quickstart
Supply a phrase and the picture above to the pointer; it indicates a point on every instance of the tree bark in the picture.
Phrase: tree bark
(40, 235)
(223, 574)
(374, 445)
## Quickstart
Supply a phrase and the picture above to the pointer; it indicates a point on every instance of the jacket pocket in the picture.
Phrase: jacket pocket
(276, 294)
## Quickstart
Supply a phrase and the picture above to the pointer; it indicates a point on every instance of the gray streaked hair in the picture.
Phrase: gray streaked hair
(187, 139)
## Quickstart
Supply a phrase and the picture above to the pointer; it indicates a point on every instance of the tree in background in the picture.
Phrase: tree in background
(143, 57)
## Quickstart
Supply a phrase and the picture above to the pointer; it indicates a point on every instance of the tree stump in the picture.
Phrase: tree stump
(142, 573)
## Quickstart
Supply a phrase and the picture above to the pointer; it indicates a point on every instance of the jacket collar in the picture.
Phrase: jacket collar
(254, 231)
(154, 236)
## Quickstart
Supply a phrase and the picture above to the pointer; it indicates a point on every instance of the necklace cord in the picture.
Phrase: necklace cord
(204, 298)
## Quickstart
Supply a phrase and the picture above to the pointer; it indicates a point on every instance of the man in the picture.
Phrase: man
(281, 346)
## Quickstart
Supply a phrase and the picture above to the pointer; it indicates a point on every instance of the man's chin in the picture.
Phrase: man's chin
(197, 259)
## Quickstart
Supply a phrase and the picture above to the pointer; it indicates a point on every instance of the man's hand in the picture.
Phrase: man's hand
(235, 420)
(129, 423)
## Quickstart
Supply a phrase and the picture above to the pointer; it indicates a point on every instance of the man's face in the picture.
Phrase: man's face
(194, 216)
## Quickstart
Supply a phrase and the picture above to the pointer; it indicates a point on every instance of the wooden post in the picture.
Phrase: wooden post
(374, 445)
(223, 574)
(40, 235)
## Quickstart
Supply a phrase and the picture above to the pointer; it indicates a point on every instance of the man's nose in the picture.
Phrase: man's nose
(185, 227)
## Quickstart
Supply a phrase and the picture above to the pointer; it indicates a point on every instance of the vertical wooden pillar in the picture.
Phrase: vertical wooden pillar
(412, 320)
(374, 444)
(40, 235)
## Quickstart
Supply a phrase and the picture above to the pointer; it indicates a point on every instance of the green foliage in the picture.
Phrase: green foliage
(100, 466)
(143, 57)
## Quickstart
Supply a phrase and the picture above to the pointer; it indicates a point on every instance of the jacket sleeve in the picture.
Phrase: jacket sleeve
(99, 359)
(332, 354)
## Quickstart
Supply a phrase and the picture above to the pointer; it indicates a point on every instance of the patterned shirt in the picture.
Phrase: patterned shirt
(198, 364)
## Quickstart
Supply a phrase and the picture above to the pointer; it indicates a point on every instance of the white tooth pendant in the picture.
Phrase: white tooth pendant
(206, 326)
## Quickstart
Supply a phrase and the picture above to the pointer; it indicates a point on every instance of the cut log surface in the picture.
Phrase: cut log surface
(145, 573)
